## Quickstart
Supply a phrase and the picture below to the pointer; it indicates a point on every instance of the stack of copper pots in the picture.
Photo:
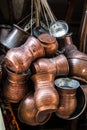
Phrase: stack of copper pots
(37, 60)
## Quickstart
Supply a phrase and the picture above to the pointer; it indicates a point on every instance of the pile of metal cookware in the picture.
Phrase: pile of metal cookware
(38, 74)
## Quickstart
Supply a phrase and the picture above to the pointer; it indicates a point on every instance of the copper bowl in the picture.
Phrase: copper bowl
(79, 69)
(28, 113)
(49, 43)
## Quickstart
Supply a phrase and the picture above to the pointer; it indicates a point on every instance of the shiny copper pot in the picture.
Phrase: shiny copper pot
(15, 86)
(28, 113)
(67, 92)
(19, 59)
(57, 65)
(46, 96)
(49, 43)
(15, 38)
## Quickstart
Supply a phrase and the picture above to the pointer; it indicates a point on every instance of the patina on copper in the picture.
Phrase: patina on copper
(19, 59)
(57, 65)
(27, 112)
(15, 86)
(49, 43)
(67, 92)
(46, 96)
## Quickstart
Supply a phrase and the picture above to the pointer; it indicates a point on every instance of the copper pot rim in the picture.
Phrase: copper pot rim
(19, 28)
(76, 58)
(42, 39)
(68, 86)
(81, 105)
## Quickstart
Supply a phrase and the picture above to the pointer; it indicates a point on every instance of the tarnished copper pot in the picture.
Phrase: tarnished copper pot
(57, 65)
(67, 92)
(27, 112)
(79, 68)
(19, 59)
(15, 38)
(46, 96)
(15, 87)
(49, 43)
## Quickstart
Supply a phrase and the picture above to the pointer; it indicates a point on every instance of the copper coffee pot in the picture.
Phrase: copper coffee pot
(15, 38)
(28, 113)
(19, 59)
(57, 65)
(15, 86)
(67, 92)
(71, 50)
(49, 43)
(77, 60)
(45, 96)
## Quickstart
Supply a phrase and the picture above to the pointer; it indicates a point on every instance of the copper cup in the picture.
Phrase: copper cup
(45, 96)
(49, 43)
(19, 59)
(66, 88)
(15, 86)
(15, 38)
(57, 65)
(28, 113)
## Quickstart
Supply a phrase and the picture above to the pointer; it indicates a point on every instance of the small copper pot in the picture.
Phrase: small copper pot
(49, 43)
(57, 65)
(67, 92)
(15, 86)
(19, 59)
(46, 96)
(28, 113)
(15, 38)
(79, 68)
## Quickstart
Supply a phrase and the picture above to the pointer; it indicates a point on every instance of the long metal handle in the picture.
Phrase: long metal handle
(48, 9)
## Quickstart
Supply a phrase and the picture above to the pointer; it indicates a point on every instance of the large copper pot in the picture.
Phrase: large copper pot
(19, 59)
(15, 38)
(28, 113)
(15, 86)
(57, 65)
(46, 96)
(49, 43)
(67, 92)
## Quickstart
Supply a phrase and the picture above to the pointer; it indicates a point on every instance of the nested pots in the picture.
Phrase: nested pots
(45, 96)
(66, 88)
(49, 43)
(15, 86)
(19, 59)
(28, 113)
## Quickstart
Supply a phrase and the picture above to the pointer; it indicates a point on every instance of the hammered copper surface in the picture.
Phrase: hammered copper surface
(66, 88)
(19, 59)
(27, 111)
(57, 65)
(46, 96)
(15, 86)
